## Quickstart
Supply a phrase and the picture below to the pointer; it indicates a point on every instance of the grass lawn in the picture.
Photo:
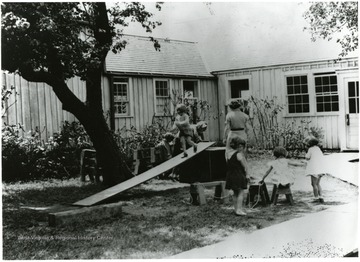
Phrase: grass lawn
(157, 219)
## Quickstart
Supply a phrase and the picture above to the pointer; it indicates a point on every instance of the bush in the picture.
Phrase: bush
(14, 154)
(28, 158)
(131, 139)
(269, 132)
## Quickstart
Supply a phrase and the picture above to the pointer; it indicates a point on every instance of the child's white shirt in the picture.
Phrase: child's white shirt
(281, 173)
(316, 164)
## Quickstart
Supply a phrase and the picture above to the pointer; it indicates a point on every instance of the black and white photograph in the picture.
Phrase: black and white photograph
(180, 130)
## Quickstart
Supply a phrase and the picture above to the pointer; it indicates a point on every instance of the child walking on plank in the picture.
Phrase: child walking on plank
(182, 122)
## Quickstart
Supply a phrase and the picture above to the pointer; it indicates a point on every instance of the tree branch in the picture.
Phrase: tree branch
(29, 74)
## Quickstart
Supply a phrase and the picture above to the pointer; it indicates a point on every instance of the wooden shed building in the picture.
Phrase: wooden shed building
(145, 83)
(322, 92)
(140, 86)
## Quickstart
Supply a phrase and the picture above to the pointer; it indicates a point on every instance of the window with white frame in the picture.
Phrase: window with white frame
(162, 97)
(353, 91)
(297, 94)
(121, 96)
(326, 93)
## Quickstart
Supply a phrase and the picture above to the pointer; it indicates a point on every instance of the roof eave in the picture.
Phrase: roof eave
(277, 65)
(158, 74)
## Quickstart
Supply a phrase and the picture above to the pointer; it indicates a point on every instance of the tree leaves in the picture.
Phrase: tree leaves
(34, 34)
(334, 19)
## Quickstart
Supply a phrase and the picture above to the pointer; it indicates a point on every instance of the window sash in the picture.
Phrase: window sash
(162, 88)
(353, 97)
(326, 93)
(121, 98)
(162, 97)
(297, 94)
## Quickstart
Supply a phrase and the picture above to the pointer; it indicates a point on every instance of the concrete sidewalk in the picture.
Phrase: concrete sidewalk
(342, 168)
(329, 233)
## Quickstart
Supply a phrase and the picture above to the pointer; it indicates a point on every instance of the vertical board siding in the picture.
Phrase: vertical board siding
(105, 86)
(11, 106)
(36, 106)
(42, 111)
(48, 109)
(26, 105)
(328, 124)
(267, 83)
(209, 94)
(18, 104)
(143, 107)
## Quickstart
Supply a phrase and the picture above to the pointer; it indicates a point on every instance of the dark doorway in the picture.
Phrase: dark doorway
(237, 86)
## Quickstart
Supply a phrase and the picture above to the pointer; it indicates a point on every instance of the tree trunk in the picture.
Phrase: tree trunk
(90, 115)
(110, 159)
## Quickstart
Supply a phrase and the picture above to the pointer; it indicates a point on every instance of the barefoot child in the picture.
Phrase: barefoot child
(315, 167)
(182, 122)
(236, 174)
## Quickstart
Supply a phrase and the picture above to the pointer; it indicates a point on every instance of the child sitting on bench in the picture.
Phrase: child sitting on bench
(281, 176)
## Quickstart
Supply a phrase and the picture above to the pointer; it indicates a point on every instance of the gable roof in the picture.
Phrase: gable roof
(175, 58)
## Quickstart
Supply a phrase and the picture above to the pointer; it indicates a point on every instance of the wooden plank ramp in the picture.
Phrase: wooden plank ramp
(158, 170)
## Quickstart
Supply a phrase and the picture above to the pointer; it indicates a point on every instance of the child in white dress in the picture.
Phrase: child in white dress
(316, 166)
(281, 174)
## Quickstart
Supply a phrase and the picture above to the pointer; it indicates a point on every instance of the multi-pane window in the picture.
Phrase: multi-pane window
(297, 94)
(121, 96)
(162, 97)
(353, 91)
(326, 93)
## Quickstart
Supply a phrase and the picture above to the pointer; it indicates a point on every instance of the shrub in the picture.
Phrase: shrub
(28, 158)
(14, 154)
(62, 152)
(269, 132)
(265, 121)
(131, 139)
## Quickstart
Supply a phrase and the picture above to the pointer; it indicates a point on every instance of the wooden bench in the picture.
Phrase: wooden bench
(88, 165)
(258, 190)
(198, 195)
(143, 159)
(281, 190)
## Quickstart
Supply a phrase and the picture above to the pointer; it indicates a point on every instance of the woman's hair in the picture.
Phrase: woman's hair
(234, 104)
(182, 108)
(311, 141)
(236, 141)
(279, 151)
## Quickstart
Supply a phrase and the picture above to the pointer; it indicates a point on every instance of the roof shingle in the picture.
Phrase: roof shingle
(178, 58)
